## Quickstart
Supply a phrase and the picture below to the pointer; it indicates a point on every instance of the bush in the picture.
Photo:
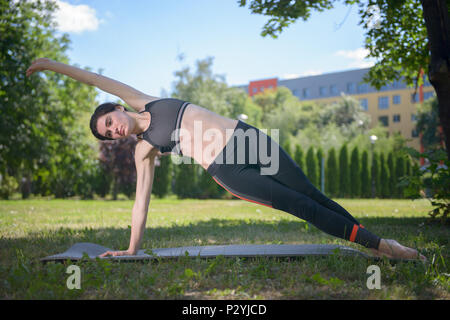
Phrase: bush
(431, 181)
(8, 185)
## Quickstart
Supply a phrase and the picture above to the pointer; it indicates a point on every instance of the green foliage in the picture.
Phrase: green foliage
(332, 174)
(384, 178)
(186, 177)
(312, 167)
(344, 174)
(428, 123)
(355, 174)
(402, 30)
(366, 185)
(298, 156)
(400, 171)
(208, 187)
(163, 177)
(431, 181)
(375, 182)
(8, 185)
(320, 155)
(43, 143)
(392, 175)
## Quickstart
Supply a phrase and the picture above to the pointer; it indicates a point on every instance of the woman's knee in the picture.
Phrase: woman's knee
(297, 205)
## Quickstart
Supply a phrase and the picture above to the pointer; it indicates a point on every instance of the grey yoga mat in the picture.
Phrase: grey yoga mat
(265, 250)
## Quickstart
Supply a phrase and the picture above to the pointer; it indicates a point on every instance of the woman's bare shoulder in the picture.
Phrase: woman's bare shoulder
(144, 150)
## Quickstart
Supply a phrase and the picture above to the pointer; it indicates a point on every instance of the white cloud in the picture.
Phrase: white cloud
(75, 18)
(311, 73)
(358, 56)
(290, 76)
(303, 74)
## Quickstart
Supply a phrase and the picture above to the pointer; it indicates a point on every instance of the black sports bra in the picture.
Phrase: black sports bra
(166, 116)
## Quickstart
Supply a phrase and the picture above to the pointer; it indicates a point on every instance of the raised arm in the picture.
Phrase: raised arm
(145, 169)
(134, 98)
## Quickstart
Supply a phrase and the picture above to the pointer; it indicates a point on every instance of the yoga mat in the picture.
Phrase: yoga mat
(265, 250)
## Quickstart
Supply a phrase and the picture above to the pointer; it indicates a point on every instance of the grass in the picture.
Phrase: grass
(32, 229)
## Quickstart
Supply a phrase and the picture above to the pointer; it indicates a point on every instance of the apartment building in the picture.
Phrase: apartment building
(393, 105)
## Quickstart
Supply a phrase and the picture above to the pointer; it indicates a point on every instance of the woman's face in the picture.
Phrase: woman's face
(115, 125)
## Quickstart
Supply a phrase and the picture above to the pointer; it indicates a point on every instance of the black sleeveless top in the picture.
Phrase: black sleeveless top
(166, 115)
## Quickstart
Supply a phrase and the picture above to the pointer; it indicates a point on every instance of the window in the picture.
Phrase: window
(384, 120)
(396, 118)
(364, 104)
(383, 103)
(413, 117)
(414, 133)
(306, 93)
(322, 91)
(334, 89)
(397, 84)
(363, 88)
(295, 92)
(255, 90)
(351, 87)
(414, 98)
(396, 99)
(427, 95)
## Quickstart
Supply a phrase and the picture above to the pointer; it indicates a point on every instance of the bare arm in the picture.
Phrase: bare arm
(134, 98)
(145, 169)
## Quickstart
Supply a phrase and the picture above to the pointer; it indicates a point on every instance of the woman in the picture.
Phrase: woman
(166, 126)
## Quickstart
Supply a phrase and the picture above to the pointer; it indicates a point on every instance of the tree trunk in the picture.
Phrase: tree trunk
(436, 17)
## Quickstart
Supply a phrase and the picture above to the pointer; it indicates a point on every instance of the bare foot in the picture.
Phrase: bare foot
(393, 250)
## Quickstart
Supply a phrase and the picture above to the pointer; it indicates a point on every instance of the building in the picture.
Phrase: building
(393, 105)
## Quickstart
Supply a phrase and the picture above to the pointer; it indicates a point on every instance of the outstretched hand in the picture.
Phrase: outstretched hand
(38, 65)
(117, 253)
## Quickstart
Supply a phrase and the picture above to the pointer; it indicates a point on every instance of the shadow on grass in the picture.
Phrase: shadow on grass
(282, 277)
(408, 231)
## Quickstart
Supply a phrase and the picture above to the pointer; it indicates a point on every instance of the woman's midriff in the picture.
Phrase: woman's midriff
(204, 134)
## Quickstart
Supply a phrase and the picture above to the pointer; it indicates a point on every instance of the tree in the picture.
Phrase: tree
(186, 180)
(428, 123)
(344, 176)
(117, 157)
(355, 175)
(403, 27)
(163, 177)
(319, 161)
(392, 175)
(366, 185)
(311, 166)
(384, 178)
(298, 156)
(399, 172)
(375, 182)
(42, 141)
(287, 147)
(332, 174)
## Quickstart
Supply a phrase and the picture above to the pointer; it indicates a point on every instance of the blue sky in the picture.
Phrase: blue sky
(138, 41)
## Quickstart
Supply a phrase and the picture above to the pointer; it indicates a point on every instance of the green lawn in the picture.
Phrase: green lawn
(32, 229)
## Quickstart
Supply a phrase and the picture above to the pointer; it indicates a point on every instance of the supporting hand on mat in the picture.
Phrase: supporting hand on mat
(117, 253)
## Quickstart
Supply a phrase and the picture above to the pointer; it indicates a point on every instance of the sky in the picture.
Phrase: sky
(140, 42)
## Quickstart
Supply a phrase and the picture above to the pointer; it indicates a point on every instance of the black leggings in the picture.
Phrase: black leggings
(239, 169)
